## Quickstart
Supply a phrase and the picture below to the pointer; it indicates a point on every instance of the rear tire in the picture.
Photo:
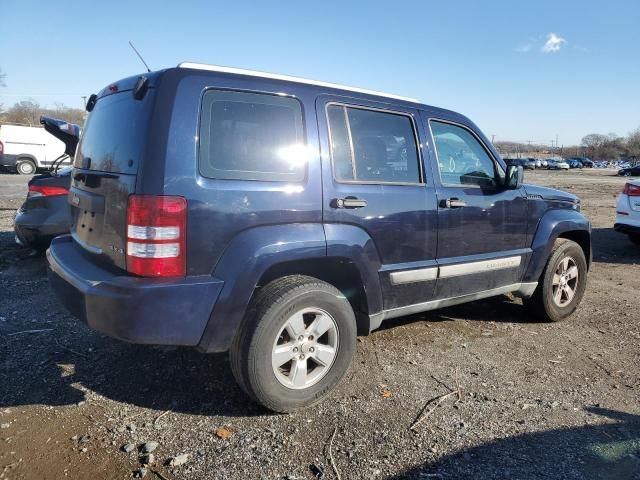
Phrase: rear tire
(25, 167)
(562, 283)
(295, 343)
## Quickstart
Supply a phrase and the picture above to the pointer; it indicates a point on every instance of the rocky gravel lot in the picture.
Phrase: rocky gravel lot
(552, 401)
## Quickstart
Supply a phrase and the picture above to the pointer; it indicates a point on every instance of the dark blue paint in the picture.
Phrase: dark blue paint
(239, 231)
(554, 223)
(40, 219)
(133, 309)
(246, 259)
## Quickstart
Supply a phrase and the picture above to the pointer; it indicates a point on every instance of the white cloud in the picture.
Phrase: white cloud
(553, 44)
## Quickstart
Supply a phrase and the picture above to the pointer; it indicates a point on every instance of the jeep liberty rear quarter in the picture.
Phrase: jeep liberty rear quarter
(278, 218)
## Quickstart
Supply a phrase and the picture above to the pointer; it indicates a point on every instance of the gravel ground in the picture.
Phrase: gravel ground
(552, 401)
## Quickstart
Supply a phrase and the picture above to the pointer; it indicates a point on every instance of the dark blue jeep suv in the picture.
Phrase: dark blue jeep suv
(278, 218)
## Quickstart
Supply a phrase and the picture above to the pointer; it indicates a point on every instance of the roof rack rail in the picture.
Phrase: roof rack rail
(275, 76)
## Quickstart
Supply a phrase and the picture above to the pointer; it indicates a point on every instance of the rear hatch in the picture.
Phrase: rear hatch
(106, 167)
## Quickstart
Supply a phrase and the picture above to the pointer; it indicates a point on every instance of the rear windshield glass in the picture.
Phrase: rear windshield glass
(250, 136)
(115, 133)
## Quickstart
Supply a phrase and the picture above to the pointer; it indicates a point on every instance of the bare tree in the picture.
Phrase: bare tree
(28, 112)
(633, 144)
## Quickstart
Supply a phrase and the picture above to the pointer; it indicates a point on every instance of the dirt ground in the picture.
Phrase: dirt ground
(552, 401)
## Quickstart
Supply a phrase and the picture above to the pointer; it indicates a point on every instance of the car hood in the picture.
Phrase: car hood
(545, 193)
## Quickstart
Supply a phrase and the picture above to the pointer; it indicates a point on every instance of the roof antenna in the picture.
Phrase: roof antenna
(140, 57)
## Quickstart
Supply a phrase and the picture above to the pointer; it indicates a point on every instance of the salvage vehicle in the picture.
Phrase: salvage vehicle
(46, 212)
(629, 171)
(628, 211)
(277, 218)
(553, 164)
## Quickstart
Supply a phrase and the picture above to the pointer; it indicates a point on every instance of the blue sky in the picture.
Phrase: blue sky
(485, 59)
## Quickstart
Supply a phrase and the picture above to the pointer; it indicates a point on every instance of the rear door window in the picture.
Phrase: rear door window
(372, 146)
(251, 136)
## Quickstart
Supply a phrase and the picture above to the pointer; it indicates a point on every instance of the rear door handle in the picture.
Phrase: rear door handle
(453, 203)
(348, 202)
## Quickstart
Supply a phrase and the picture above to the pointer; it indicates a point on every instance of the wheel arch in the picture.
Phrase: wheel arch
(344, 257)
(560, 223)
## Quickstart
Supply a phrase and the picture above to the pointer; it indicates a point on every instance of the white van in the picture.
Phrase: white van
(29, 148)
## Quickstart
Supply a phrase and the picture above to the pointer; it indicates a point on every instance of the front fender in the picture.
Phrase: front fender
(242, 264)
(552, 225)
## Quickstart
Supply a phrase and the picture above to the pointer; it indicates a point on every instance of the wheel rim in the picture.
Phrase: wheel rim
(305, 348)
(25, 168)
(565, 282)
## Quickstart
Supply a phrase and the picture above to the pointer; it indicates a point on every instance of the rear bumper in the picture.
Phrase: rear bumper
(627, 228)
(132, 309)
(36, 227)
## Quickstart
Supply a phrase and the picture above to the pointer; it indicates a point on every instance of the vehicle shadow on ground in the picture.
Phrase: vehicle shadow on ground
(60, 369)
(605, 451)
(47, 357)
(610, 246)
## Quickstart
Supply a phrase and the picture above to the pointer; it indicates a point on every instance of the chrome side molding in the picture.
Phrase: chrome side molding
(469, 268)
(412, 276)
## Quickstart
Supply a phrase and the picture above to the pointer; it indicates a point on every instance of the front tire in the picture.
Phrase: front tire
(635, 238)
(562, 283)
(295, 343)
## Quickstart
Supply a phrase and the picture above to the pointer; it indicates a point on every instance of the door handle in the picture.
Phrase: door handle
(348, 202)
(453, 203)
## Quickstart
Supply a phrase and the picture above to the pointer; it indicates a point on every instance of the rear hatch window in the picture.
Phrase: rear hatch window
(105, 168)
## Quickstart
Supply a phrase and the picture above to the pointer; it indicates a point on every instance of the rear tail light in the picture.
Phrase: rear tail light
(156, 236)
(631, 190)
(44, 191)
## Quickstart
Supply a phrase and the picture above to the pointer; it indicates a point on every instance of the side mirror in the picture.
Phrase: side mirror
(514, 177)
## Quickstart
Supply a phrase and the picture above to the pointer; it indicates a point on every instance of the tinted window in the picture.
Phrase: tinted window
(115, 133)
(372, 146)
(462, 159)
(249, 136)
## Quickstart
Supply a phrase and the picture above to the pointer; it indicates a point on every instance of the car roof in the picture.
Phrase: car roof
(381, 96)
(289, 78)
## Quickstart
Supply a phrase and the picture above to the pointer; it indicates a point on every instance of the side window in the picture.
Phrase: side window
(372, 146)
(250, 136)
(462, 159)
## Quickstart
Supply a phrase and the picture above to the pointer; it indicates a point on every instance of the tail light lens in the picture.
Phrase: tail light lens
(631, 190)
(44, 191)
(156, 236)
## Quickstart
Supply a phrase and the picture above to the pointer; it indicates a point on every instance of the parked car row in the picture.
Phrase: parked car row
(557, 163)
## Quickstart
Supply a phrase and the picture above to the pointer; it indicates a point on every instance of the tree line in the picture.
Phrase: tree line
(28, 112)
(595, 146)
